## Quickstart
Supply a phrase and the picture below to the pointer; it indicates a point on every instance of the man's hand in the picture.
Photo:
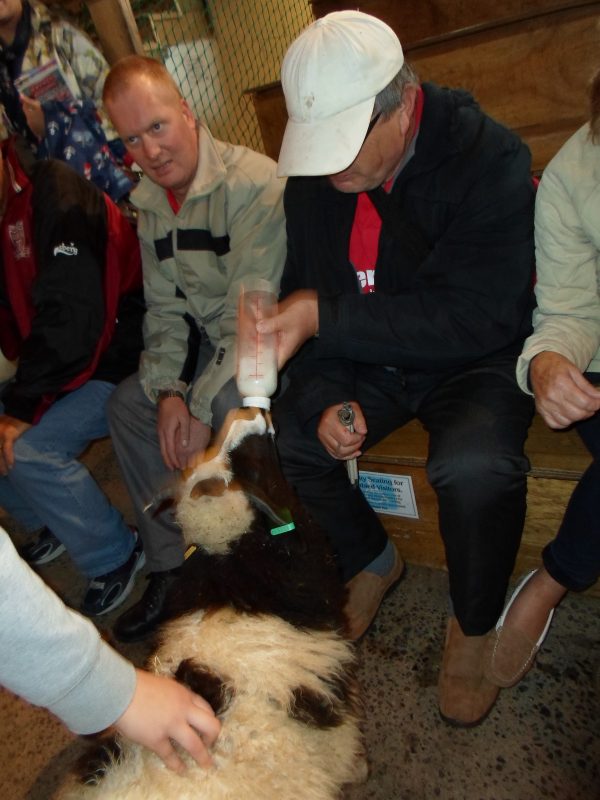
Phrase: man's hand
(34, 114)
(336, 438)
(163, 711)
(297, 319)
(173, 426)
(182, 437)
(10, 430)
(562, 394)
(198, 439)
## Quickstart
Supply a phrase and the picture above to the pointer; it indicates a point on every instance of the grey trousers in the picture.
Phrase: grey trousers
(132, 420)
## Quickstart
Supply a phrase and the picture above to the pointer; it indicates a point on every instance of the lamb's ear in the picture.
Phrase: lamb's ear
(211, 487)
(261, 502)
(316, 709)
(217, 691)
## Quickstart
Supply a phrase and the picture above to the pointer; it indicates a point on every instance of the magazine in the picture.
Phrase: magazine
(45, 83)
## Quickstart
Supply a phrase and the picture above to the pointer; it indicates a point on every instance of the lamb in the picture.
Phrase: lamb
(256, 626)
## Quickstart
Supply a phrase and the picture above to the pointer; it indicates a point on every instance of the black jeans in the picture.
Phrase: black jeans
(477, 422)
(573, 557)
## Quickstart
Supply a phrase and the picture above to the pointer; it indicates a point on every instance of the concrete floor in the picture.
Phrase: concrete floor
(541, 740)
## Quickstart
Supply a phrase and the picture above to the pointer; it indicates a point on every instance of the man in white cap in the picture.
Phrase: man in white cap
(408, 281)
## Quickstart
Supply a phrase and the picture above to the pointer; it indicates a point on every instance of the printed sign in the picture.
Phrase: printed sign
(389, 494)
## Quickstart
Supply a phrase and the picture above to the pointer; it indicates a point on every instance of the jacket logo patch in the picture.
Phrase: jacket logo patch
(16, 234)
(65, 249)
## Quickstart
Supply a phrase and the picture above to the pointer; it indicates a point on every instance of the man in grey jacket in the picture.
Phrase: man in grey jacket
(210, 217)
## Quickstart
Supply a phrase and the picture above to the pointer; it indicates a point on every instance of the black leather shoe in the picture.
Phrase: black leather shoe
(143, 618)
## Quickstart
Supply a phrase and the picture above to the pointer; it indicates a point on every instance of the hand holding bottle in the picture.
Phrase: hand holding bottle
(257, 357)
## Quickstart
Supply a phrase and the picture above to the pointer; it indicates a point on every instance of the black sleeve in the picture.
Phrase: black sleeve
(466, 296)
(471, 296)
(69, 234)
(315, 383)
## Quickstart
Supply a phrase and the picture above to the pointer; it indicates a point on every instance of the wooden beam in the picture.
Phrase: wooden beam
(116, 28)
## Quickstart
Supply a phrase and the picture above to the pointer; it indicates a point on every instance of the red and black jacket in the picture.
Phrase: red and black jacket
(71, 303)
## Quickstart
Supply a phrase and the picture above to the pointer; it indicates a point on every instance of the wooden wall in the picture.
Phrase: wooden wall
(528, 63)
(416, 21)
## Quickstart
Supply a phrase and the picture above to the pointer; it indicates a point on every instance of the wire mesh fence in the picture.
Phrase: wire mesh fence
(218, 49)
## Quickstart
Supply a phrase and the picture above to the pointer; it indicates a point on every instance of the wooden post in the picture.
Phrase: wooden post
(116, 28)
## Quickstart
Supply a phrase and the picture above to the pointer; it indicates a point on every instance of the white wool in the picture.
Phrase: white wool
(262, 752)
(260, 654)
(214, 523)
(240, 428)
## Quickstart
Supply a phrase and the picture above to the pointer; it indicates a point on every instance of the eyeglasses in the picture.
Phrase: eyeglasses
(372, 124)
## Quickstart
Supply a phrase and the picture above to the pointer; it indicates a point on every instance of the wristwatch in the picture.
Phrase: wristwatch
(164, 393)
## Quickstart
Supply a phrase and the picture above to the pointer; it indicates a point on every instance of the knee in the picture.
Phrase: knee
(30, 455)
(24, 453)
(123, 398)
(477, 469)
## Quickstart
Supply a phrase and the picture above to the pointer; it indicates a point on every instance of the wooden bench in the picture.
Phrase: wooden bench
(557, 458)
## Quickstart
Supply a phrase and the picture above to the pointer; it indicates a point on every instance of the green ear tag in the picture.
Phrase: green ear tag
(283, 529)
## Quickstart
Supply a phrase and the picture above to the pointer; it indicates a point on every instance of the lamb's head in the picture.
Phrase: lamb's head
(219, 498)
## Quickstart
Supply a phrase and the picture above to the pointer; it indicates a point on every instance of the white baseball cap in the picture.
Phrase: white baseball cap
(331, 75)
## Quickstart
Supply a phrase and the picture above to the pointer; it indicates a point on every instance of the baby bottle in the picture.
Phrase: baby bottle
(256, 352)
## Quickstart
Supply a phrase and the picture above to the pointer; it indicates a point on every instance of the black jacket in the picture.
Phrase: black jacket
(71, 302)
(455, 270)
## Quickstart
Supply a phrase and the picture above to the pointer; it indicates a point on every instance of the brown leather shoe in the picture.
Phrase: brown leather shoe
(365, 594)
(465, 695)
(510, 653)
